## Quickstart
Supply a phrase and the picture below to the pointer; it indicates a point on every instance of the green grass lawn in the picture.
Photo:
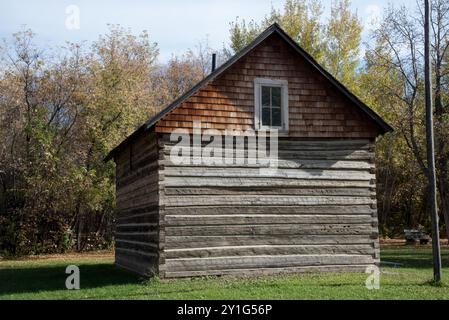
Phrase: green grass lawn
(45, 279)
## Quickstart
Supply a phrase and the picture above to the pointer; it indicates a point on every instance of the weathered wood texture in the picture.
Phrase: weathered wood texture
(317, 211)
(316, 108)
(137, 226)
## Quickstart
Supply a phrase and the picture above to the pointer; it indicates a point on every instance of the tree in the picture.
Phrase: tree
(182, 72)
(399, 52)
(37, 115)
(60, 116)
(342, 38)
(334, 44)
(440, 27)
(242, 34)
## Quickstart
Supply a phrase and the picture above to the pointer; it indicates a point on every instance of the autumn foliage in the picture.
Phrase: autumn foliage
(63, 109)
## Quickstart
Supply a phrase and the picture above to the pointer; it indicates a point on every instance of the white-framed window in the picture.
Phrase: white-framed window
(271, 109)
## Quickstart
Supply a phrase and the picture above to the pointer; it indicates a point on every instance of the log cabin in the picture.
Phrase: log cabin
(315, 212)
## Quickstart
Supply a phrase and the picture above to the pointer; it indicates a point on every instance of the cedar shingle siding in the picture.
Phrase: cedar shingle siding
(316, 108)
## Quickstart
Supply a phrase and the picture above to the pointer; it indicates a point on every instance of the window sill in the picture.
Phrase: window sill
(281, 133)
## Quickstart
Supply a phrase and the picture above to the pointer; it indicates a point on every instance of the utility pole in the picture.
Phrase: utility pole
(431, 148)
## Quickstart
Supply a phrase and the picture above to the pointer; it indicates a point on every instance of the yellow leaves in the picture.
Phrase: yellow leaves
(334, 44)
(343, 37)
(301, 20)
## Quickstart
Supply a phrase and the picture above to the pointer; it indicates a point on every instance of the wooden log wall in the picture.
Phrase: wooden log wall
(317, 212)
(137, 189)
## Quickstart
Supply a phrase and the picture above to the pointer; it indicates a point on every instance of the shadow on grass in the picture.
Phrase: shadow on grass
(413, 257)
(52, 278)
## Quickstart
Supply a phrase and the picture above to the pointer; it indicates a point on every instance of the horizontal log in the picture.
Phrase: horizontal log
(150, 237)
(136, 174)
(137, 246)
(260, 219)
(140, 218)
(268, 271)
(281, 164)
(137, 211)
(274, 229)
(136, 227)
(148, 256)
(296, 142)
(148, 158)
(132, 266)
(165, 137)
(148, 185)
(141, 264)
(329, 142)
(137, 202)
(140, 150)
(255, 182)
(313, 174)
(179, 242)
(363, 249)
(316, 210)
(237, 144)
(140, 196)
(242, 200)
(193, 264)
(149, 172)
(282, 154)
(268, 190)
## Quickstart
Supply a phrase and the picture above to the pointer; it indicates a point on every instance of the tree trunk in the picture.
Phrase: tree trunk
(79, 233)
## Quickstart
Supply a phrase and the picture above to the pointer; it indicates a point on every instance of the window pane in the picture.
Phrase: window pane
(276, 96)
(276, 117)
(265, 96)
(266, 117)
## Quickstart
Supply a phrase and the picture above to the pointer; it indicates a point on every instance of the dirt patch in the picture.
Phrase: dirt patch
(103, 254)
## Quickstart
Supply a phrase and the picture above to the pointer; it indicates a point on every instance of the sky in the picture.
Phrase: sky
(175, 25)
